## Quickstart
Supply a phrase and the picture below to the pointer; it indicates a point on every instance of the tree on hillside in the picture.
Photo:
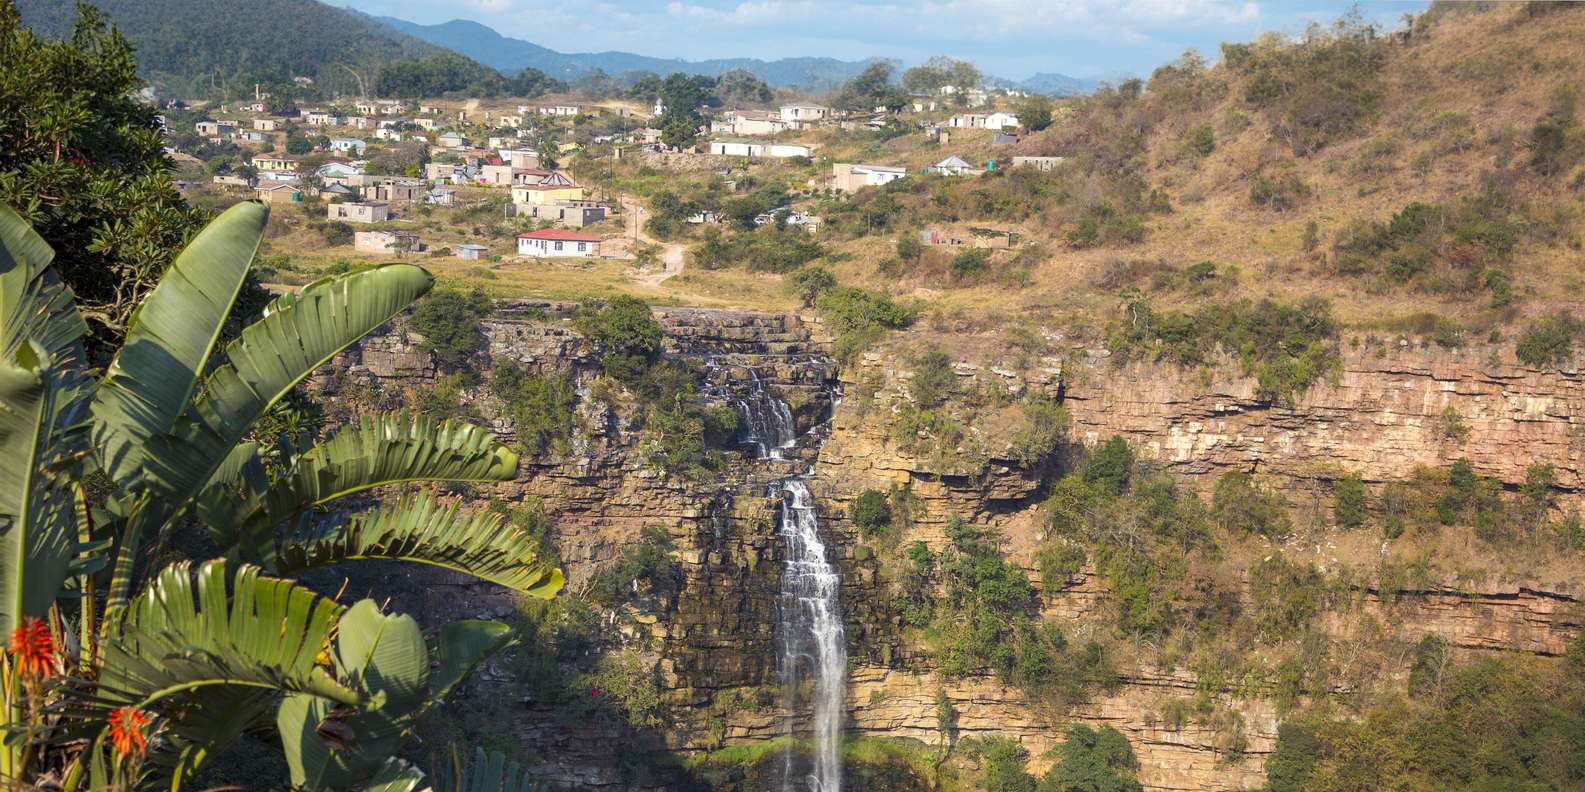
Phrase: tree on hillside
(1034, 114)
(872, 88)
(740, 87)
(942, 72)
(81, 161)
(684, 97)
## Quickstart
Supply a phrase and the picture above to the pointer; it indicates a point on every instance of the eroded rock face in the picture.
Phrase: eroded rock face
(1380, 419)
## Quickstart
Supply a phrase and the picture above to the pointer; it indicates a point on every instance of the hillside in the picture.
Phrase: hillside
(199, 47)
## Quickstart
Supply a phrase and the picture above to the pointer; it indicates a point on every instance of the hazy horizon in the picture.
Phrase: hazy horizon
(1014, 39)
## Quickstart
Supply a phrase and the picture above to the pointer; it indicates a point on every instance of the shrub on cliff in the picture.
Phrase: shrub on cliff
(1348, 501)
(1092, 760)
(932, 378)
(645, 566)
(1549, 341)
(543, 409)
(871, 512)
(1242, 507)
(629, 337)
(449, 322)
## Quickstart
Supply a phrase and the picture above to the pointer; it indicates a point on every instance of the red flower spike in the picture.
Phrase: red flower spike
(126, 731)
(34, 648)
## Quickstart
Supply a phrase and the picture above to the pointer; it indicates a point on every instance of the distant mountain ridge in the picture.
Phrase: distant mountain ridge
(510, 55)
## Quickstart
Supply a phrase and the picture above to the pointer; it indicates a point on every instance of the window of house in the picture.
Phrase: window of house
(558, 246)
(582, 246)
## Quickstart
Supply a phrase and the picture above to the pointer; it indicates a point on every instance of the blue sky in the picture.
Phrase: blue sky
(1008, 38)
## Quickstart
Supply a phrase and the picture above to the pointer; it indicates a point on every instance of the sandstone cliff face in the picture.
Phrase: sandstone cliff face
(1379, 419)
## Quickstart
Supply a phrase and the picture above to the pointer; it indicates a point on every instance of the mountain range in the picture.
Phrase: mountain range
(509, 55)
(188, 47)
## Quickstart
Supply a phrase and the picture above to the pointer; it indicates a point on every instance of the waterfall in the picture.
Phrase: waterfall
(813, 646)
(813, 643)
(765, 421)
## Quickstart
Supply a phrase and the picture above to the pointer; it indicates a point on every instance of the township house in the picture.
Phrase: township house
(215, 128)
(398, 190)
(847, 177)
(359, 212)
(279, 167)
(354, 145)
(386, 242)
(996, 120)
(735, 147)
(279, 192)
(559, 110)
(321, 118)
(953, 166)
(268, 124)
(1038, 163)
(557, 243)
(514, 175)
(800, 116)
(545, 193)
(752, 123)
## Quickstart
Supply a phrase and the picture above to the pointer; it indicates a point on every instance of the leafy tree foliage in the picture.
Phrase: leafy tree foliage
(1034, 114)
(941, 72)
(811, 282)
(449, 322)
(1549, 340)
(81, 160)
(740, 88)
(871, 88)
(542, 408)
(684, 97)
(1092, 760)
(871, 512)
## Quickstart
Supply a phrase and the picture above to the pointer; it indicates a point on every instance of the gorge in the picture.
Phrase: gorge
(719, 649)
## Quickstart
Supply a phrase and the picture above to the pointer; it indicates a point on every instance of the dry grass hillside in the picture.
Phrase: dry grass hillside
(1270, 165)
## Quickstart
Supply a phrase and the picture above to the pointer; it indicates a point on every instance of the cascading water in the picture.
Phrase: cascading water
(764, 421)
(813, 644)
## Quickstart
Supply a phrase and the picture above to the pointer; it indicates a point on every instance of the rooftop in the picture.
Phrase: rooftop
(558, 235)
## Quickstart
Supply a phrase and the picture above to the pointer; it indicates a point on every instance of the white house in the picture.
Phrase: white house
(427, 124)
(736, 147)
(952, 166)
(1038, 163)
(799, 116)
(336, 172)
(559, 110)
(452, 140)
(321, 118)
(354, 145)
(557, 243)
(387, 133)
(1000, 120)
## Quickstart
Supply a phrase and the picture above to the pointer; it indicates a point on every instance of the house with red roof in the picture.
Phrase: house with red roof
(557, 243)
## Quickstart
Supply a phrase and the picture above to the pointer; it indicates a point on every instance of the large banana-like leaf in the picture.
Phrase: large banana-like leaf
(41, 375)
(489, 772)
(152, 379)
(211, 650)
(374, 452)
(419, 529)
(190, 630)
(385, 658)
(298, 334)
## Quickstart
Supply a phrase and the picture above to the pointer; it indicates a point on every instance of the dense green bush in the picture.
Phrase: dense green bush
(543, 409)
(1045, 426)
(1459, 248)
(1548, 342)
(1285, 347)
(646, 565)
(449, 322)
(811, 282)
(1242, 508)
(1092, 760)
(969, 264)
(1504, 723)
(1316, 90)
(1278, 193)
(1287, 597)
(871, 512)
(628, 335)
(1348, 501)
(859, 317)
(1002, 761)
(932, 378)
(766, 249)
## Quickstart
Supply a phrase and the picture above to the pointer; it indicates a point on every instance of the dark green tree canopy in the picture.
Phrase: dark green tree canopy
(83, 162)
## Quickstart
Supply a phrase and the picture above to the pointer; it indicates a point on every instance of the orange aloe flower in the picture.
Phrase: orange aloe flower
(34, 648)
(126, 731)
